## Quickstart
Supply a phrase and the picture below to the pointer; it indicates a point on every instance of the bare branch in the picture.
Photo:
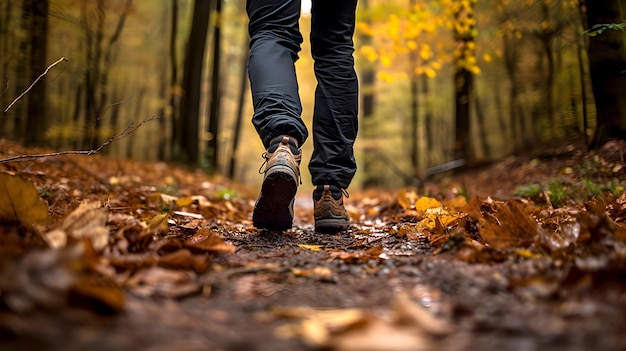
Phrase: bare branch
(126, 132)
(35, 82)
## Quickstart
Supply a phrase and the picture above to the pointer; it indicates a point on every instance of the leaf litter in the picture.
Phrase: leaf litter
(89, 253)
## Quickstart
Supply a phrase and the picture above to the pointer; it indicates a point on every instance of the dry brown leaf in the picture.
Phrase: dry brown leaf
(184, 259)
(161, 282)
(206, 240)
(158, 224)
(509, 227)
(100, 293)
(20, 201)
(316, 272)
(380, 335)
(407, 198)
(407, 311)
(88, 220)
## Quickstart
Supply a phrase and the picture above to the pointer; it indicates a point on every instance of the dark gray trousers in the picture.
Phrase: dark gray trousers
(275, 40)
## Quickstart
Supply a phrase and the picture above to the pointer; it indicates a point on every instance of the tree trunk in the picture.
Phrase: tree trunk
(21, 70)
(366, 112)
(480, 118)
(212, 151)
(6, 48)
(510, 63)
(463, 81)
(428, 122)
(241, 101)
(414, 117)
(607, 64)
(36, 116)
(581, 46)
(464, 36)
(186, 149)
(174, 91)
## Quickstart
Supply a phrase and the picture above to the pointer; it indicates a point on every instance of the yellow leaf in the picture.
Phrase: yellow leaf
(385, 60)
(20, 201)
(385, 77)
(316, 272)
(310, 247)
(185, 201)
(425, 203)
(158, 224)
(487, 58)
(407, 198)
(525, 253)
(456, 203)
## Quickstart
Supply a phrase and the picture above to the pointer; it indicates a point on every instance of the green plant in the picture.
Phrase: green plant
(557, 191)
(530, 191)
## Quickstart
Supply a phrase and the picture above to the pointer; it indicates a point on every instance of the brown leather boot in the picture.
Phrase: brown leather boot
(329, 213)
(274, 207)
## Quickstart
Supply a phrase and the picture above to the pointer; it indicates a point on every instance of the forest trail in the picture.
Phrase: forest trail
(528, 253)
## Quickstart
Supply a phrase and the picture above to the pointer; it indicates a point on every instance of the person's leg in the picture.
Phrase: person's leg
(335, 124)
(336, 97)
(274, 45)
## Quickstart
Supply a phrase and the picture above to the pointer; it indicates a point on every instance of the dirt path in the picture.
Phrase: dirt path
(392, 282)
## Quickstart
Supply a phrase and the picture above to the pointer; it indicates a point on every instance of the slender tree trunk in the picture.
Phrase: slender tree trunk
(174, 90)
(428, 121)
(241, 101)
(463, 82)
(367, 82)
(188, 150)
(607, 63)
(77, 110)
(581, 47)
(511, 60)
(480, 118)
(583, 92)
(546, 36)
(414, 117)
(214, 115)
(6, 48)
(21, 71)
(36, 115)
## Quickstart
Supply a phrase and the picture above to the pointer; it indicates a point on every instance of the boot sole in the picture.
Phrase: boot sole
(274, 207)
(331, 225)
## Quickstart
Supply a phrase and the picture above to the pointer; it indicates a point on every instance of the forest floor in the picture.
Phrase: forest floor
(528, 253)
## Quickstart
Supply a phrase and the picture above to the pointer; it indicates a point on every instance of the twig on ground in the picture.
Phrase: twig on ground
(130, 129)
(33, 84)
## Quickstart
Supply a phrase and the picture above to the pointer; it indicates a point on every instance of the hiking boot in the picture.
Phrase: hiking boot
(329, 213)
(274, 207)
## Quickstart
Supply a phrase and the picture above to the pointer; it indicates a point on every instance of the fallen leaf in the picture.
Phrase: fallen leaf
(158, 224)
(426, 203)
(407, 311)
(310, 247)
(510, 226)
(184, 259)
(99, 293)
(322, 273)
(162, 282)
(88, 220)
(206, 240)
(20, 201)
(407, 198)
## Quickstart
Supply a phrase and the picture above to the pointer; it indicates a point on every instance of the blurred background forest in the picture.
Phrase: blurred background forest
(441, 80)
